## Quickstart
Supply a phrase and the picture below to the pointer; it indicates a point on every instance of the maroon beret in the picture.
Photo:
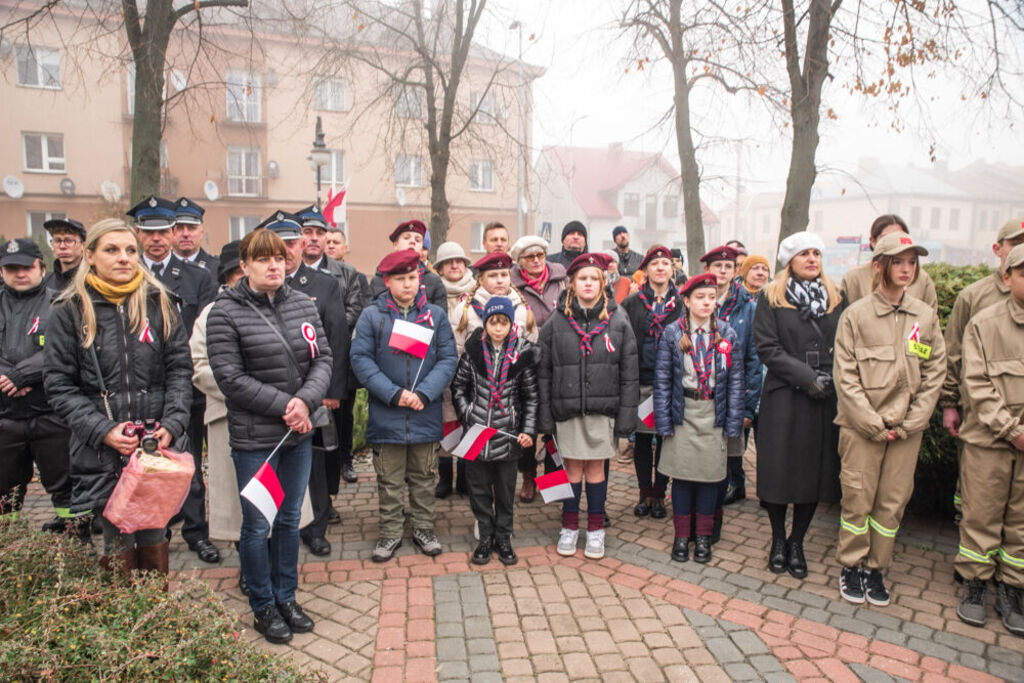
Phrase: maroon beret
(601, 261)
(408, 226)
(702, 280)
(653, 253)
(725, 253)
(494, 261)
(399, 262)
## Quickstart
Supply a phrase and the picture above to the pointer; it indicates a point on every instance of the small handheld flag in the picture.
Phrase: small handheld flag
(452, 435)
(552, 448)
(264, 491)
(412, 338)
(473, 442)
(554, 486)
(646, 412)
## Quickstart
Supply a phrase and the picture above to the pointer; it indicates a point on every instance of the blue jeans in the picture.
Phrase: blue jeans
(272, 569)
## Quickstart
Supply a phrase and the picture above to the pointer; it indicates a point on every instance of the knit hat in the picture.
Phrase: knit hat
(449, 251)
(499, 305)
(797, 242)
(619, 229)
(528, 244)
(751, 261)
(574, 226)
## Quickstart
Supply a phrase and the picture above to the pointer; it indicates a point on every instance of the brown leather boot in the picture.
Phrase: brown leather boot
(155, 558)
(529, 490)
(121, 564)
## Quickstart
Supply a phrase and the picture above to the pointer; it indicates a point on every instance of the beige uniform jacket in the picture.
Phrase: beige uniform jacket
(974, 298)
(880, 382)
(856, 285)
(202, 373)
(993, 376)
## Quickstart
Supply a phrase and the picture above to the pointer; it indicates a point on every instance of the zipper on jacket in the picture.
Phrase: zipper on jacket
(127, 364)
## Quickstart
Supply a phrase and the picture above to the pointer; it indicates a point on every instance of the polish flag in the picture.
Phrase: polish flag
(552, 448)
(646, 412)
(554, 486)
(452, 435)
(334, 202)
(264, 491)
(411, 338)
(473, 442)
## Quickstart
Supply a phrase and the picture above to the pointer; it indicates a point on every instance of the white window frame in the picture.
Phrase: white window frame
(408, 170)
(239, 183)
(43, 57)
(244, 96)
(46, 216)
(240, 226)
(330, 94)
(50, 163)
(481, 175)
(485, 106)
(476, 237)
(627, 197)
(670, 206)
(409, 102)
(334, 171)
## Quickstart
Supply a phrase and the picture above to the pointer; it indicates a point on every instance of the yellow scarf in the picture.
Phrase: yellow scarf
(115, 294)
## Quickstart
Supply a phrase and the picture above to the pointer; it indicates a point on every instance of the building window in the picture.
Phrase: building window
(244, 97)
(819, 221)
(38, 67)
(485, 108)
(651, 212)
(37, 218)
(409, 102)
(476, 237)
(240, 226)
(954, 219)
(630, 204)
(44, 152)
(481, 175)
(915, 218)
(244, 171)
(334, 172)
(670, 206)
(329, 94)
(408, 170)
(936, 220)
(982, 219)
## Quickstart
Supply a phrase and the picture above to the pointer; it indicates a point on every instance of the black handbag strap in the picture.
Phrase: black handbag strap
(273, 328)
(99, 378)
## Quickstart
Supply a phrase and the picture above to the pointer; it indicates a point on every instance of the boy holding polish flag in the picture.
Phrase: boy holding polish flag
(495, 398)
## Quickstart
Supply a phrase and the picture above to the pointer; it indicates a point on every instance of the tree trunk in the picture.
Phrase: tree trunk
(802, 171)
(692, 215)
(149, 50)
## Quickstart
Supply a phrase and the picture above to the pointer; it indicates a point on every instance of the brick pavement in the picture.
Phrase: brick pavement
(633, 616)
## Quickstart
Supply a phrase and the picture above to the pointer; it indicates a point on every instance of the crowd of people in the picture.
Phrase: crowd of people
(546, 360)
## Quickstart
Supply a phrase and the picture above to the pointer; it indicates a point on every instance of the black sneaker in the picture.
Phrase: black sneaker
(272, 625)
(851, 585)
(874, 588)
(482, 554)
(296, 619)
(505, 552)
(971, 609)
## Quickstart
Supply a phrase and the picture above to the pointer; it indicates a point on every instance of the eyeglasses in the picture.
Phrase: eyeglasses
(539, 256)
(66, 241)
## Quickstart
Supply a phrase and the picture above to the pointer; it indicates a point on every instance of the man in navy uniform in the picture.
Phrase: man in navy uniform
(194, 288)
(67, 237)
(189, 234)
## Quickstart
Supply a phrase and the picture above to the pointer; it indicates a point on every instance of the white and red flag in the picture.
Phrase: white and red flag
(554, 486)
(473, 442)
(264, 491)
(411, 338)
(334, 202)
(646, 412)
(452, 435)
(552, 448)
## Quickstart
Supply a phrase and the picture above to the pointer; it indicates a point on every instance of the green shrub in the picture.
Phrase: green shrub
(62, 618)
(360, 413)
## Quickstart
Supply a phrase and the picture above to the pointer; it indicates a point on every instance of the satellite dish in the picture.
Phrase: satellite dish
(179, 80)
(13, 187)
(400, 196)
(110, 191)
(67, 186)
(211, 190)
(273, 170)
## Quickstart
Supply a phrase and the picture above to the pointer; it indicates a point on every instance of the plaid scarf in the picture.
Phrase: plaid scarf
(496, 381)
(419, 304)
(809, 296)
(585, 347)
(656, 321)
(735, 297)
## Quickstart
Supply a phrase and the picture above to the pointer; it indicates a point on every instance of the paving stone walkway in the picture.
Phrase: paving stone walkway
(633, 616)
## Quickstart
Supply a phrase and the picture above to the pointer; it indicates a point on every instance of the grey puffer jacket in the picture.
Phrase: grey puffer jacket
(254, 371)
(472, 396)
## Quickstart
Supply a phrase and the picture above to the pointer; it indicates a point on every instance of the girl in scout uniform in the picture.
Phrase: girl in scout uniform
(699, 396)
(890, 361)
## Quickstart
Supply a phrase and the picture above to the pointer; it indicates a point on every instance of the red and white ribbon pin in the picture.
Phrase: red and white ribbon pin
(146, 337)
(309, 334)
(915, 333)
(35, 326)
(608, 344)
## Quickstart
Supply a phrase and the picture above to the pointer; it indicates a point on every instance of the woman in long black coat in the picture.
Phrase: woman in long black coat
(797, 442)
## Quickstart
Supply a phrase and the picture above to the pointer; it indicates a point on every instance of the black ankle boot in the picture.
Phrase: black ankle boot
(643, 508)
(658, 509)
(795, 559)
(702, 549)
(777, 556)
(444, 480)
(681, 549)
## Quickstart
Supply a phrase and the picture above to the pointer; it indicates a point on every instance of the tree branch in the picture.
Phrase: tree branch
(203, 4)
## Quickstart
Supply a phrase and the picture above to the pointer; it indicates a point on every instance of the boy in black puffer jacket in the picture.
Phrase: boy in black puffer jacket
(495, 385)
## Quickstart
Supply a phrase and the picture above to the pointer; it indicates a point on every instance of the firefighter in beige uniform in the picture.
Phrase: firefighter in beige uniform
(890, 361)
(992, 464)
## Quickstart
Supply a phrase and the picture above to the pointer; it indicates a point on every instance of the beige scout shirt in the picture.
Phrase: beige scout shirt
(974, 298)
(857, 284)
(993, 376)
(882, 382)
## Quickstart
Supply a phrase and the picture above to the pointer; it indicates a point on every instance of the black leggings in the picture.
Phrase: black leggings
(802, 515)
(646, 456)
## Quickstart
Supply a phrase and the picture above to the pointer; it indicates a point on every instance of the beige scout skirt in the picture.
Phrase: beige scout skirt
(645, 393)
(590, 437)
(696, 452)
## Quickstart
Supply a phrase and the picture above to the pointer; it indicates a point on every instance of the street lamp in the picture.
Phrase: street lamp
(319, 156)
(520, 138)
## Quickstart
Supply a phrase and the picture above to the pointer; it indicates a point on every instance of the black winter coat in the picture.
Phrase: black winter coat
(603, 383)
(471, 396)
(145, 380)
(646, 349)
(24, 320)
(253, 369)
(797, 442)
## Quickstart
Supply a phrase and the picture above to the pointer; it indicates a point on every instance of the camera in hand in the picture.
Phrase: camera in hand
(145, 431)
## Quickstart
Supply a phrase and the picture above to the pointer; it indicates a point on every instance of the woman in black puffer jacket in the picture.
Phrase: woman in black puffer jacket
(116, 316)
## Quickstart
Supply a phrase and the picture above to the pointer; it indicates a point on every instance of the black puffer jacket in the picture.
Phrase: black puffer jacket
(255, 372)
(145, 380)
(647, 350)
(24, 320)
(603, 383)
(471, 396)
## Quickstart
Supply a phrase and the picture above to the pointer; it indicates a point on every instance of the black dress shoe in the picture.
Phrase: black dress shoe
(272, 625)
(734, 494)
(348, 473)
(505, 552)
(658, 509)
(777, 556)
(243, 585)
(643, 508)
(55, 526)
(443, 488)
(318, 546)
(296, 619)
(681, 549)
(795, 559)
(702, 549)
(482, 554)
(206, 551)
(332, 516)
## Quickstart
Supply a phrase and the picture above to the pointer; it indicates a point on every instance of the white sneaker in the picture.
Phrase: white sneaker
(595, 545)
(567, 542)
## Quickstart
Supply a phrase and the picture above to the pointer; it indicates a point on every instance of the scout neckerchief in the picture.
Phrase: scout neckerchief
(585, 348)
(732, 301)
(495, 384)
(701, 355)
(655, 320)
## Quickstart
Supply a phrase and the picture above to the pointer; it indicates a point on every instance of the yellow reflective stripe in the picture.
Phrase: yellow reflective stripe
(956, 499)
(977, 557)
(64, 513)
(10, 516)
(1010, 559)
(888, 533)
(853, 528)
